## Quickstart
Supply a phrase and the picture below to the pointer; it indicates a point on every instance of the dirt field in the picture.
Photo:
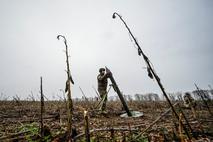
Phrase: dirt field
(19, 121)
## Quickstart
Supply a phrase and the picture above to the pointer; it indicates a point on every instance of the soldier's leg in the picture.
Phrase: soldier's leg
(101, 92)
(105, 100)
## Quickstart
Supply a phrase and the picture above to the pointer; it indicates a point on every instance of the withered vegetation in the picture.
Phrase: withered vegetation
(19, 120)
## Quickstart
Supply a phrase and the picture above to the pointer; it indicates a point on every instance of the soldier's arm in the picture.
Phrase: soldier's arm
(103, 77)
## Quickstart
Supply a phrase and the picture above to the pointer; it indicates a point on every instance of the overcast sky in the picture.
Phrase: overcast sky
(176, 35)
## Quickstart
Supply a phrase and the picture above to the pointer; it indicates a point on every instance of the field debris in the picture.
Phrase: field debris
(156, 123)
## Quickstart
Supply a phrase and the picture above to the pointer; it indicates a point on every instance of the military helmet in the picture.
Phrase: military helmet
(101, 69)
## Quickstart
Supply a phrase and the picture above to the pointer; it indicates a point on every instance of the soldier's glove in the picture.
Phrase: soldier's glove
(108, 74)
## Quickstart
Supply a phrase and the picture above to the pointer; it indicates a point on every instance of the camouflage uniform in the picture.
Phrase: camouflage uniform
(102, 87)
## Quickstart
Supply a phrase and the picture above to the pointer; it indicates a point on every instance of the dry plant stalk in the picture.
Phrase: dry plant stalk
(150, 69)
(104, 130)
(86, 126)
(68, 89)
(42, 110)
(181, 128)
(195, 116)
(202, 95)
(154, 122)
(187, 121)
(193, 109)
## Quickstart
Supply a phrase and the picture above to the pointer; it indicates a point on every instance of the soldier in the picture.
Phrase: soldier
(189, 101)
(102, 86)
